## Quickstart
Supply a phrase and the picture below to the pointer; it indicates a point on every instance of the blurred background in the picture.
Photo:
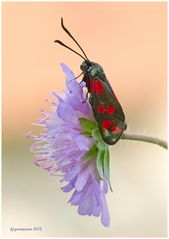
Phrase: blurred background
(129, 41)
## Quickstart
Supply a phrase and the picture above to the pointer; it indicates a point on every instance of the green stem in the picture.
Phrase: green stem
(146, 139)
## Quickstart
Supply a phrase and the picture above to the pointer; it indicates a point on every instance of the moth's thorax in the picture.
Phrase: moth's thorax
(92, 69)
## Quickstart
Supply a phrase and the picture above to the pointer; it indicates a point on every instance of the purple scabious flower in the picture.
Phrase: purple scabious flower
(71, 145)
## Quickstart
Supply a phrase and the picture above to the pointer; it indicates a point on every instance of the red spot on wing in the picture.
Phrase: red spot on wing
(100, 109)
(106, 124)
(96, 86)
(99, 87)
(92, 85)
(116, 129)
(110, 109)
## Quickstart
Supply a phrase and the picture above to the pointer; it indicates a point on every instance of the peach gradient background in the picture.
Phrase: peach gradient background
(129, 41)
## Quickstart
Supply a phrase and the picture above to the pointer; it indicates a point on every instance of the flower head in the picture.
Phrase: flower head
(72, 145)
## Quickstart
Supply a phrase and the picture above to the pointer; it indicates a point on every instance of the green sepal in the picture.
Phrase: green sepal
(87, 125)
(106, 163)
(99, 163)
(86, 133)
(100, 148)
(106, 171)
(102, 164)
(93, 150)
(98, 138)
(96, 134)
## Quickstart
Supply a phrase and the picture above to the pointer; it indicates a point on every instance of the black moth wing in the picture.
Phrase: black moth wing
(117, 118)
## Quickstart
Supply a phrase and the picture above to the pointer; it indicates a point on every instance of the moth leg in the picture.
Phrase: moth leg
(79, 76)
(81, 81)
(90, 100)
(86, 79)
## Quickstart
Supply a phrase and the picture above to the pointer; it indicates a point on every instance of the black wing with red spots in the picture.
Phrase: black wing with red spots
(106, 107)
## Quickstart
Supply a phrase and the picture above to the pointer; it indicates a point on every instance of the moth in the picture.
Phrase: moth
(106, 107)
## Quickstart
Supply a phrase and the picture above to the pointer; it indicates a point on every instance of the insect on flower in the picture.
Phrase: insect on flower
(106, 107)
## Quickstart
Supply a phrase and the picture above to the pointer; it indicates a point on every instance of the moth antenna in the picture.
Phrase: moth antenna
(65, 29)
(61, 43)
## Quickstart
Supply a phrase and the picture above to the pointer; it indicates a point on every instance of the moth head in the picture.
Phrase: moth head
(85, 66)
(90, 68)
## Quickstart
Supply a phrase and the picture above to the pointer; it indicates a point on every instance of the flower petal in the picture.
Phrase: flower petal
(105, 185)
(57, 97)
(73, 172)
(69, 74)
(82, 180)
(75, 198)
(66, 113)
(83, 143)
(68, 187)
(105, 218)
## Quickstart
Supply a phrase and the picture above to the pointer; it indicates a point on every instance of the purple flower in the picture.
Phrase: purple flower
(71, 145)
